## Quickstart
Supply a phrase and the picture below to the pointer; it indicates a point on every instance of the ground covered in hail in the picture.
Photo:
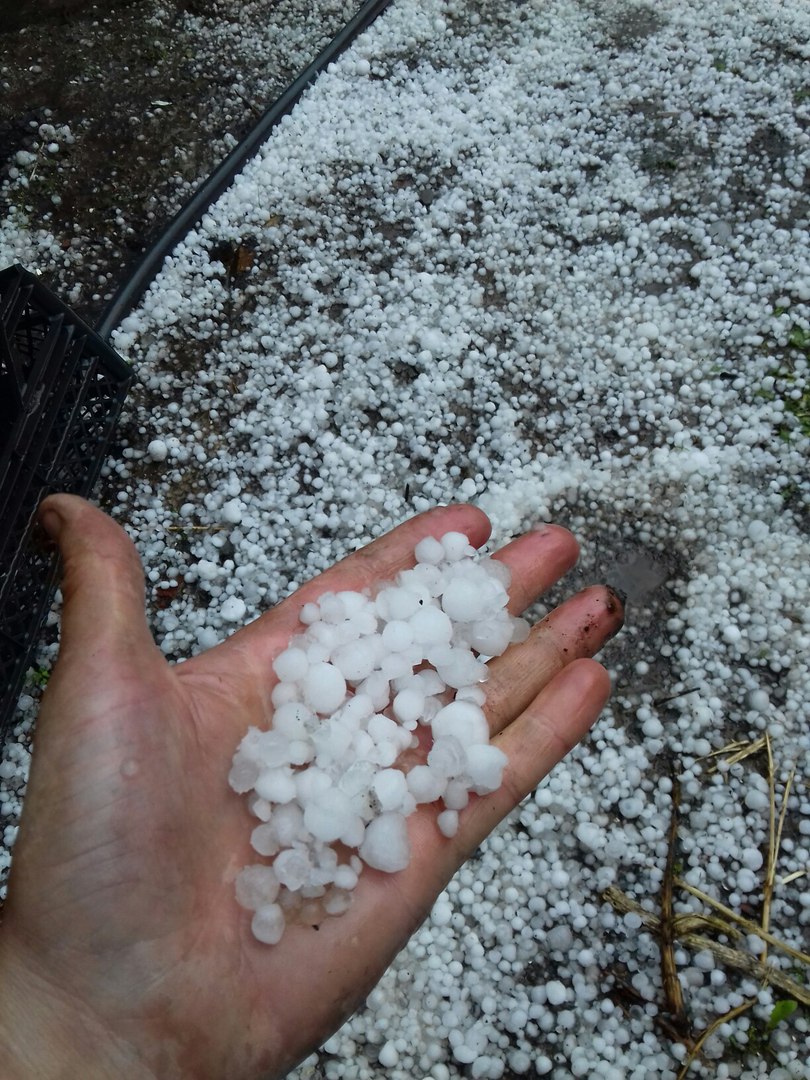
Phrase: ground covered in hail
(551, 259)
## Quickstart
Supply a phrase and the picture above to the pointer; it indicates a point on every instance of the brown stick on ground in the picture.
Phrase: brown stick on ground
(734, 958)
(673, 993)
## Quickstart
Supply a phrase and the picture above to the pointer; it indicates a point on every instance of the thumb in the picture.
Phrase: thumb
(103, 611)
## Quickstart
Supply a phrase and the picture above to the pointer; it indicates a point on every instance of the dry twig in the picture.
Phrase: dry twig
(733, 958)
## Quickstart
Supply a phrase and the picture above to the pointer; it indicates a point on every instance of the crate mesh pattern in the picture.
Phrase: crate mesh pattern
(61, 391)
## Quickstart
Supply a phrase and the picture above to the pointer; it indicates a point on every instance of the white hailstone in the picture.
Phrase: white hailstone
(332, 739)
(397, 635)
(244, 773)
(397, 603)
(233, 609)
(263, 839)
(293, 868)
(232, 512)
(388, 1056)
(430, 551)
(329, 815)
(759, 700)
(268, 924)
(463, 720)
(447, 822)
(271, 749)
(309, 613)
(276, 785)
(489, 637)
(291, 665)
(429, 683)
(431, 626)
(426, 784)
(337, 902)
(458, 667)
(485, 765)
(345, 877)
(447, 758)
(324, 688)
(157, 450)
(456, 795)
(464, 600)
(390, 787)
(475, 694)
(288, 824)
(456, 546)
(259, 807)
(355, 660)
(395, 666)
(756, 800)
(377, 688)
(385, 844)
(408, 706)
(293, 719)
(255, 886)
(556, 992)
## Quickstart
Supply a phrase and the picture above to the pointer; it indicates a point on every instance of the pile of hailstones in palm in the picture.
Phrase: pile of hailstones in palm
(353, 690)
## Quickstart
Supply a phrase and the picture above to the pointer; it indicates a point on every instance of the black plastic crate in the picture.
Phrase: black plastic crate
(61, 391)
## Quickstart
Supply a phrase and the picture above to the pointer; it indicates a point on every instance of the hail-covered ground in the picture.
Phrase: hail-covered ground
(553, 259)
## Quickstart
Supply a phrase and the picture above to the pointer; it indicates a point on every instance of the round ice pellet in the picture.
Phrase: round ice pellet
(461, 669)
(485, 765)
(456, 546)
(430, 625)
(397, 603)
(329, 815)
(263, 839)
(407, 706)
(291, 720)
(456, 795)
(448, 822)
(464, 720)
(324, 688)
(291, 665)
(462, 601)
(244, 773)
(309, 614)
(425, 785)
(390, 787)
(288, 823)
(276, 785)
(490, 637)
(233, 609)
(385, 844)
(293, 868)
(397, 635)
(447, 757)
(345, 877)
(430, 551)
(255, 886)
(268, 924)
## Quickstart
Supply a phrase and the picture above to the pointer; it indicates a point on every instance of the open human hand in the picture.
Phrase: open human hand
(123, 951)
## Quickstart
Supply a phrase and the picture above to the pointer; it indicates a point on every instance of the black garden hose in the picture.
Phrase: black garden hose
(139, 280)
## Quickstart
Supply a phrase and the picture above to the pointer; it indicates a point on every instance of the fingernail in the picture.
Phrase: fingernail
(617, 606)
(617, 594)
(541, 528)
(51, 522)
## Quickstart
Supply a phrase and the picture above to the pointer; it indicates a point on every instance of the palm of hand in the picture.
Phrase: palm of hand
(122, 894)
